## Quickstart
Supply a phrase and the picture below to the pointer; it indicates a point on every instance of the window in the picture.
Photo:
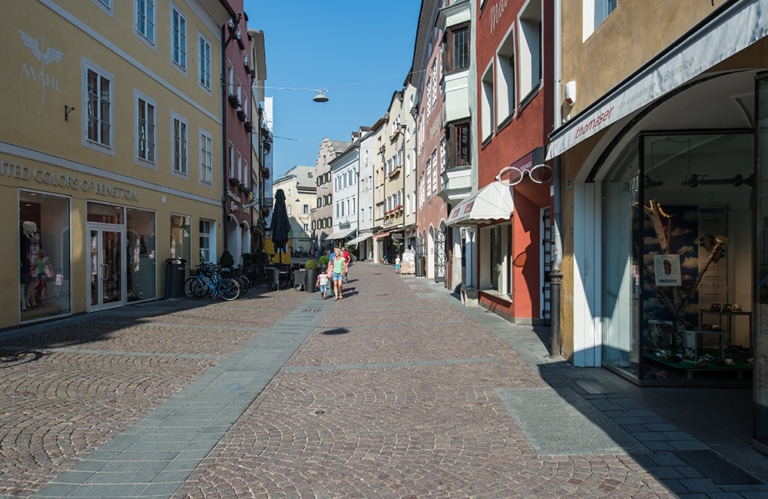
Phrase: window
(205, 64)
(231, 156)
(433, 163)
(145, 19)
(486, 105)
(457, 48)
(205, 241)
(179, 134)
(99, 114)
(505, 71)
(305, 209)
(105, 5)
(206, 157)
(245, 174)
(145, 131)
(239, 166)
(530, 48)
(595, 12)
(458, 145)
(178, 38)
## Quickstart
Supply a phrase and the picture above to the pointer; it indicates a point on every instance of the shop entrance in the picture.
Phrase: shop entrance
(106, 266)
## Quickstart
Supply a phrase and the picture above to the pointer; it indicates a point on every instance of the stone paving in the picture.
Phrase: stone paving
(395, 391)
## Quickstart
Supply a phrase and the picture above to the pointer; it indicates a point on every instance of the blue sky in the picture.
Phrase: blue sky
(360, 51)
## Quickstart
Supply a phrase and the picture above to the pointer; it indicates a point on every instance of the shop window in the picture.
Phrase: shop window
(140, 233)
(45, 279)
(180, 244)
(675, 304)
(494, 277)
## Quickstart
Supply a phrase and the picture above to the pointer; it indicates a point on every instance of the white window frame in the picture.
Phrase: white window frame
(530, 42)
(209, 238)
(506, 93)
(106, 6)
(593, 15)
(179, 62)
(246, 174)
(487, 108)
(206, 157)
(148, 36)
(182, 142)
(99, 144)
(231, 155)
(239, 166)
(151, 135)
(204, 62)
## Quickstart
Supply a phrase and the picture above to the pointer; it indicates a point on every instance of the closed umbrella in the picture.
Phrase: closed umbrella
(281, 225)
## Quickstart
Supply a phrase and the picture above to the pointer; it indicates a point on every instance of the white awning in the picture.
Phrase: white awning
(341, 234)
(360, 239)
(737, 28)
(492, 202)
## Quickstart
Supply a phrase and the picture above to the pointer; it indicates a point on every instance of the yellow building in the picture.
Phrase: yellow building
(110, 150)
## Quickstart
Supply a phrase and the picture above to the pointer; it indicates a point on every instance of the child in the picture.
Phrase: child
(397, 264)
(322, 282)
(59, 282)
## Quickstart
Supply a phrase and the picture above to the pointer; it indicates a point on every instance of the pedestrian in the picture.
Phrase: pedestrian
(347, 259)
(322, 280)
(397, 264)
(339, 266)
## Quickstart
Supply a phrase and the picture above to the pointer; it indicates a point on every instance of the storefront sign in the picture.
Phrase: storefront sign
(65, 181)
(744, 24)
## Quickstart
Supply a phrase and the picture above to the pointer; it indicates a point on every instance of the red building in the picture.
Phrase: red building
(239, 124)
(505, 224)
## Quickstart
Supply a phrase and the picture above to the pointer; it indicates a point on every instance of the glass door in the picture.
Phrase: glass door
(760, 318)
(106, 267)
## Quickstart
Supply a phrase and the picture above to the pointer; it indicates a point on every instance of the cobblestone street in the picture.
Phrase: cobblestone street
(393, 391)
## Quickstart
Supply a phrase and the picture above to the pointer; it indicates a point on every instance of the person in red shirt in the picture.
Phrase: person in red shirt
(347, 259)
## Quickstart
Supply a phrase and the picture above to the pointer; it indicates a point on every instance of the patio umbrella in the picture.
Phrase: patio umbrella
(281, 225)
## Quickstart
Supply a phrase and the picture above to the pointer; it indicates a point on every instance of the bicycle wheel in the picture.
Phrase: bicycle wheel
(228, 289)
(193, 289)
(244, 282)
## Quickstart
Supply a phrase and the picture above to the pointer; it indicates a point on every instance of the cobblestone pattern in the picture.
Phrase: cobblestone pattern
(392, 396)
(69, 387)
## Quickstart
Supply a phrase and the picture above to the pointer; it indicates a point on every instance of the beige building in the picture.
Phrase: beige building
(321, 225)
(660, 235)
(298, 185)
(112, 158)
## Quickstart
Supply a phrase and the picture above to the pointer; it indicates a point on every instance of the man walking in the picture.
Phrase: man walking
(347, 259)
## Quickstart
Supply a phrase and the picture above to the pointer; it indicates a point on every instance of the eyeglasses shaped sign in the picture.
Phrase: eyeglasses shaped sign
(512, 175)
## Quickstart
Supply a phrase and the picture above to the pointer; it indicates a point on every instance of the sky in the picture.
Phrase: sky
(360, 51)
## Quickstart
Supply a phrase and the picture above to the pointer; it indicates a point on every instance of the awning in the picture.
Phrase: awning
(736, 29)
(341, 234)
(360, 239)
(492, 202)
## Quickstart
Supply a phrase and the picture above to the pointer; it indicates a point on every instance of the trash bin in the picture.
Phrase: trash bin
(175, 274)
(420, 263)
(276, 278)
(300, 277)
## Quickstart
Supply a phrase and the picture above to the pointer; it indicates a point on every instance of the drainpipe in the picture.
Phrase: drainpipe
(224, 95)
(555, 274)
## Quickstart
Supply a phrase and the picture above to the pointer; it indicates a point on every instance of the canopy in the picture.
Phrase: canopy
(492, 202)
(341, 234)
(360, 239)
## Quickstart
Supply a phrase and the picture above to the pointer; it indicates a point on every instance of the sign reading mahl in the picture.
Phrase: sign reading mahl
(667, 270)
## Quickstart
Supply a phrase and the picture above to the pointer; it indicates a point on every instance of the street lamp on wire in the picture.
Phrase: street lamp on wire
(321, 94)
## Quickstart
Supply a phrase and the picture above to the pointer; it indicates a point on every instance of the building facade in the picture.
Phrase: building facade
(322, 213)
(125, 95)
(299, 186)
(507, 220)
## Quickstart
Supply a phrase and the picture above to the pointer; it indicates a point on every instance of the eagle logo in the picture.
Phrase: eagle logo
(50, 55)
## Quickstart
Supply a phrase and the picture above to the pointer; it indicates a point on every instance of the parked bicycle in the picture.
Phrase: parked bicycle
(239, 275)
(209, 280)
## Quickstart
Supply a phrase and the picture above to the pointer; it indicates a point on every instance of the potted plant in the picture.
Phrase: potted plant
(226, 260)
(311, 267)
(324, 261)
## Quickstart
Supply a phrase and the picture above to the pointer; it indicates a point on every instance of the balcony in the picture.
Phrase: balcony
(395, 212)
(394, 171)
(456, 184)
(233, 101)
(455, 89)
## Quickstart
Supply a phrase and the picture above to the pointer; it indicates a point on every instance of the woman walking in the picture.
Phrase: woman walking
(339, 265)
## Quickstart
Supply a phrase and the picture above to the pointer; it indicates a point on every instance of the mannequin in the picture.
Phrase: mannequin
(26, 283)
